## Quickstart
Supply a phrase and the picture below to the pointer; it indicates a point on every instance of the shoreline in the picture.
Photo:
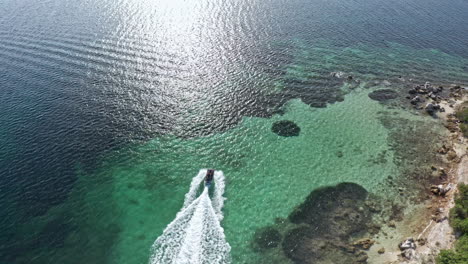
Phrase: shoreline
(429, 225)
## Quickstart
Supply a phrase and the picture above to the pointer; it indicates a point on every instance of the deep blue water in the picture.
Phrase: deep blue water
(81, 78)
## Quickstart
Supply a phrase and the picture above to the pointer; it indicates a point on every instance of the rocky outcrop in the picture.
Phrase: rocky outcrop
(408, 248)
(364, 243)
(432, 108)
(440, 189)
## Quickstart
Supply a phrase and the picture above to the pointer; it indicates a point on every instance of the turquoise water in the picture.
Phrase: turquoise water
(108, 110)
(266, 175)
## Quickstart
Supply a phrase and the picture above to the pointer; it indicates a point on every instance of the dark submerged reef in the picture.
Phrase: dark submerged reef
(383, 95)
(267, 237)
(316, 92)
(322, 229)
(45, 239)
(286, 128)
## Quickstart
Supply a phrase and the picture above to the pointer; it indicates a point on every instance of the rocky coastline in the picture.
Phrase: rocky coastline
(406, 219)
(427, 231)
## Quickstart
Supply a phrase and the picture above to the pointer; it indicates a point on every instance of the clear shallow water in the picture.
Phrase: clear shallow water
(108, 109)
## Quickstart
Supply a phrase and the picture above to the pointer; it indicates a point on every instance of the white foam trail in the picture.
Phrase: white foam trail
(195, 236)
(194, 186)
(218, 199)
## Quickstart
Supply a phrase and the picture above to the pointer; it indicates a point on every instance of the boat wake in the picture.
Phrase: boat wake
(195, 236)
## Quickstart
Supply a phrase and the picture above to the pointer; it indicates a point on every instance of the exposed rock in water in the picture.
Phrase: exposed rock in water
(383, 95)
(266, 238)
(408, 248)
(338, 74)
(452, 155)
(286, 128)
(408, 253)
(443, 150)
(364, 243)
(416, 100)
(432, 108)
(408, 243)
(440, 189)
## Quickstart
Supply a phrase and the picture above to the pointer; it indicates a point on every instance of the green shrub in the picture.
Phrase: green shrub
(459, 213)
(459, 222)
(464, 129)
(457, 256)
(462, 115)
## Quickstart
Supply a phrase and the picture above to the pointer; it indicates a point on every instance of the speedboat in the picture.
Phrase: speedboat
(209, 177)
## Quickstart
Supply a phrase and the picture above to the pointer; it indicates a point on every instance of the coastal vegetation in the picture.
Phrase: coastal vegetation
(459, 222)
(462, 115)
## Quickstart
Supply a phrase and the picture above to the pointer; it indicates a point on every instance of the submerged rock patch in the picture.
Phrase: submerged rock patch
(324, 228)
(328, 218)
(383, 95)
(286, 128)
(267, 237)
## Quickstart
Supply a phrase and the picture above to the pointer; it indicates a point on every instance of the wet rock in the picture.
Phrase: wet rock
(364, 243)
(266, 238)
(451, 155)
(420, 90)
(443, 150)
(337, 74)
(451, 126)
(383, 95)
(432, 108)
(442, 173)
(427, 85)
(440, 189)
(416, 100)
(361, 257)
(286, 128)
(407, 244)
(439, 218)
(381, 251)
(422, 241)
(408, 253)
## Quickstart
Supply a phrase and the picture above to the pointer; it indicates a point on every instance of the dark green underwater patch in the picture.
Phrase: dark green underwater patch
(286, 128)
